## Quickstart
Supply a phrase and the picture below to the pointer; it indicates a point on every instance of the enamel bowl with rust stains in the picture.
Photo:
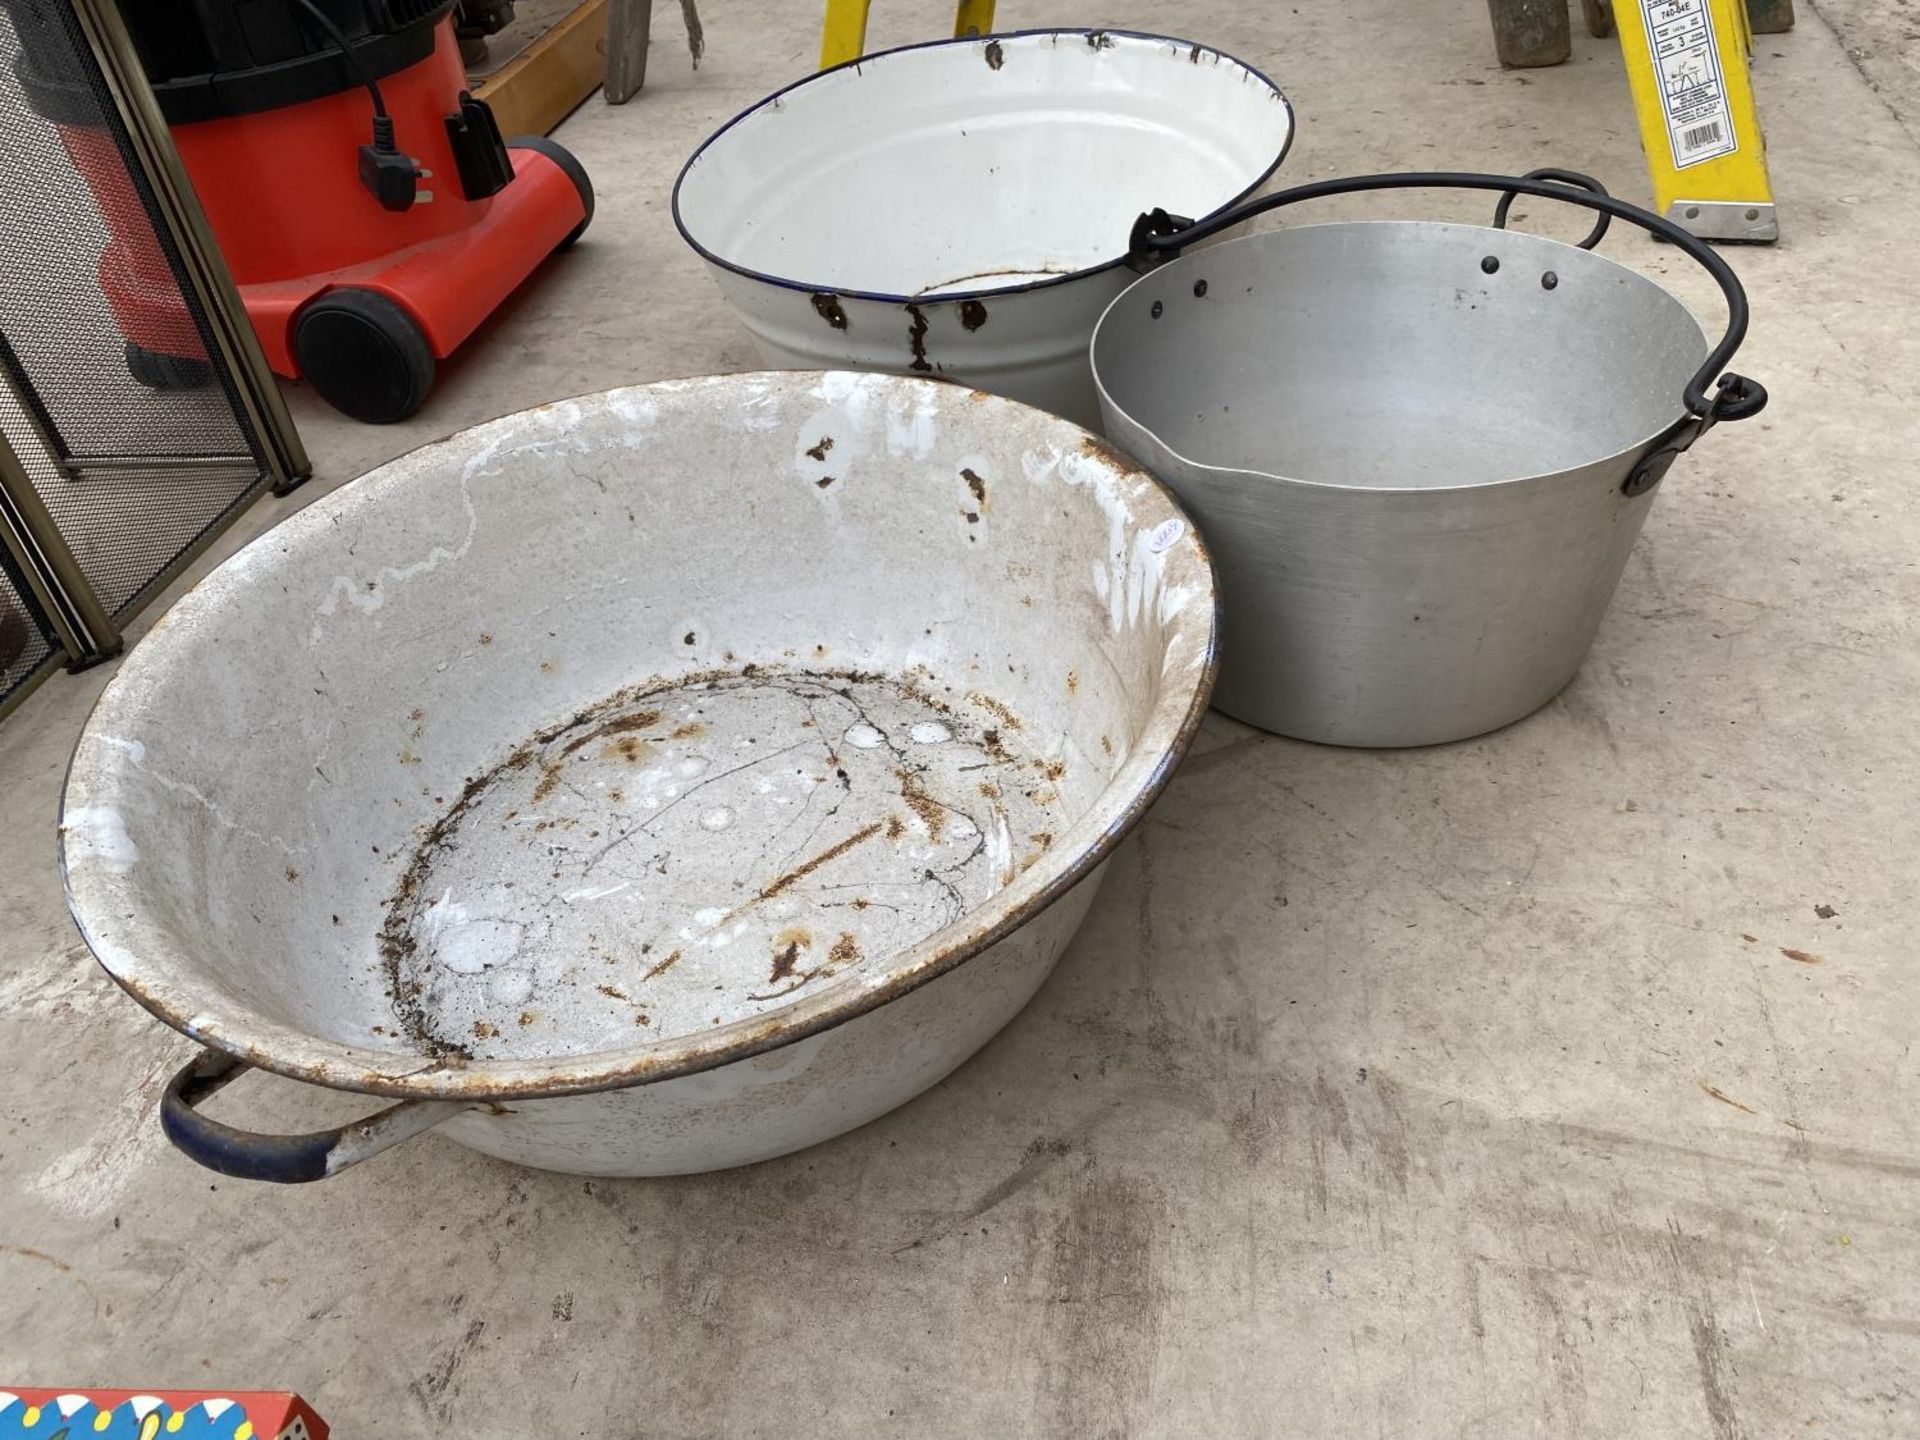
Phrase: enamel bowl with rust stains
(962, 207)
(647, 783)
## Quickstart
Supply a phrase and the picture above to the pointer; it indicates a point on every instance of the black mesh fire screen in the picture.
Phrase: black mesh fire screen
(114, 395)
(27, 642)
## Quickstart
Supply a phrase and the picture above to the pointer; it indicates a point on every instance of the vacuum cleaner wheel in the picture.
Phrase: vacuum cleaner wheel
(158, 370)
(571, 168)
(364, 354)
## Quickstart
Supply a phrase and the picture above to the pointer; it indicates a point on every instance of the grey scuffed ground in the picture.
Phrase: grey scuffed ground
(1465, 1092)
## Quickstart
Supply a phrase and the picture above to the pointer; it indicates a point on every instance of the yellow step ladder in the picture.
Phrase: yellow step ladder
(844, 37)
(1687, 64)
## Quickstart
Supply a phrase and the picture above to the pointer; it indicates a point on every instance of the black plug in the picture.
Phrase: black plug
(392, 178)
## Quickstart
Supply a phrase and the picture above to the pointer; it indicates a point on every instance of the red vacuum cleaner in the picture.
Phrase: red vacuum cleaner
(365, 202)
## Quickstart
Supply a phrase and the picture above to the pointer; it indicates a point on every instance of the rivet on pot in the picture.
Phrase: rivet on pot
(1199, 289)
(1490, 264)
(1158, 310)
(1549, 280)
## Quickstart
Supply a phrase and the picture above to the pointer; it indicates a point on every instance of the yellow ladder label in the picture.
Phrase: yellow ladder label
(1693, 89)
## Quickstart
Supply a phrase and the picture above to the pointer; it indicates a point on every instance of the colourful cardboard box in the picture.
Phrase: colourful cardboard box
(28, 1414)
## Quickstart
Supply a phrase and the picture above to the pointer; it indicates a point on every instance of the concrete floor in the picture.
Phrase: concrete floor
(1509, 1088)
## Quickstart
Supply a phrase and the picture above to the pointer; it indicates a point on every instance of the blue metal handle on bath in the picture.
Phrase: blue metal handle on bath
(282, 1159)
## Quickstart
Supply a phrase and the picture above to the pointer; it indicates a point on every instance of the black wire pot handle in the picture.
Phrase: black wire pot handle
(1562, 177)
(1158, 237)
(283, 1159)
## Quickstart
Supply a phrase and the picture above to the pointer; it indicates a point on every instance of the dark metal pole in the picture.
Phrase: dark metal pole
(207, 275)
(59, 585)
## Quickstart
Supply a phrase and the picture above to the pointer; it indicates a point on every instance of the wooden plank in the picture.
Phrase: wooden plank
(544, 83)
(1530, 32)
(628, 25)
(531, 19)
(1599, 17)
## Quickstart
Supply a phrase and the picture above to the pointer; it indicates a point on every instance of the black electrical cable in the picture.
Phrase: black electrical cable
(390, 177)
(382, 125)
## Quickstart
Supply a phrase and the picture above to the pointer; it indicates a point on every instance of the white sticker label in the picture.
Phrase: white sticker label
(1166, 535)
(1693, 90)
